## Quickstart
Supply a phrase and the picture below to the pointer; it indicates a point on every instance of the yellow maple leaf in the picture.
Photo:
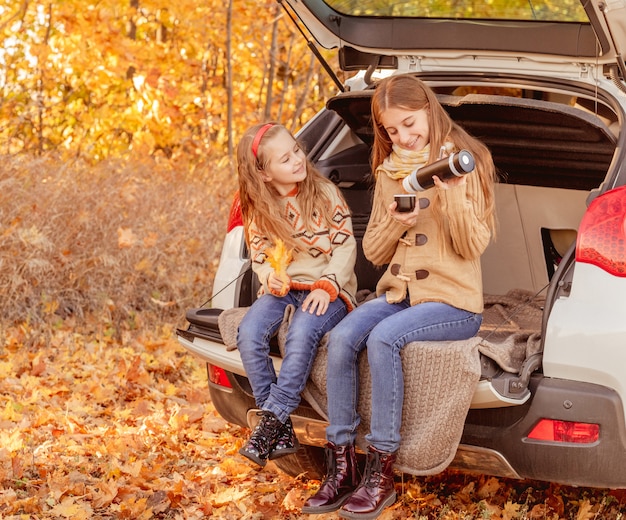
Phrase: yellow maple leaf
(104, 493)
(11, 413)
(72, 508)
(510, 511)
(226, 496)
(292, 501)
(279, 257)
(585, 511)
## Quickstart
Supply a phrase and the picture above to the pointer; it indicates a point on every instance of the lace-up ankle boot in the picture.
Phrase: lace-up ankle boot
(263, 438)
(341, 479)
(376, 490)
(286, 442)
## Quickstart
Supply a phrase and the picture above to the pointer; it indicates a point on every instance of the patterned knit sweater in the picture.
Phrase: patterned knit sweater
(325, 257)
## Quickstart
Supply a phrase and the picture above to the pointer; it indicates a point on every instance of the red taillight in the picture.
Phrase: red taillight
(235, 218)
(218, 376)
(602, 233)
(565, 431)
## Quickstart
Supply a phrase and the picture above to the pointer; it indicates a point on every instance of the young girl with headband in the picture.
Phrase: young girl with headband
(286, 202)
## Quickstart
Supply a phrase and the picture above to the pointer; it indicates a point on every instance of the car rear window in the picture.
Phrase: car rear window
(522, 10)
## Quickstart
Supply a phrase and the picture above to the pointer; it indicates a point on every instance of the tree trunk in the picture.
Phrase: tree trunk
(41, 95)
(304, 94)
(229, 78)
(132, 26)
(269, 98)
(286, 75)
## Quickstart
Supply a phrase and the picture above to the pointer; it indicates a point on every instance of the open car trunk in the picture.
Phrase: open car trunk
(549, 155)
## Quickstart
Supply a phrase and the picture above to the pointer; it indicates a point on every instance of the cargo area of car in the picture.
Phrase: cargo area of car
(550, 155)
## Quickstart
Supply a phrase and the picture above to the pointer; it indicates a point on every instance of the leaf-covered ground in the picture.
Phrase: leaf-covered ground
(92, 427)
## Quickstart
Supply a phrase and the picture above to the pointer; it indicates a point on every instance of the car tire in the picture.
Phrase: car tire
(307, 463)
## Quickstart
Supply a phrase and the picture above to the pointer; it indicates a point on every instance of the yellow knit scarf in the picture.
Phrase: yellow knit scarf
(401, 162)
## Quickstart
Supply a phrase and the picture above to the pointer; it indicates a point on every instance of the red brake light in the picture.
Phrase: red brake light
(218, 376)
(602, 233)
(235, 218)
(565, 431)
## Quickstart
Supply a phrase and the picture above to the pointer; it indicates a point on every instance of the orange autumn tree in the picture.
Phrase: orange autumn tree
(96, 80)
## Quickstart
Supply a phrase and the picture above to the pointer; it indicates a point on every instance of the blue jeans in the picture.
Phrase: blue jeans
(384, 329)
(281, 395)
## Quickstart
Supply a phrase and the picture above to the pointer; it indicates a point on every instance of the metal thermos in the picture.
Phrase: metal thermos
(455, 165)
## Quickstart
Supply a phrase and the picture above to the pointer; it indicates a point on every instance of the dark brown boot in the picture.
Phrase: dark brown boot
(376, 490)
(342, 478)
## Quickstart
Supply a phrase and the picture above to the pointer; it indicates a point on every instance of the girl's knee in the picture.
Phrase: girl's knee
(342, 334)
(338, 356)
(247, 335)
(378, 338)
(341, 351)
(299, 335)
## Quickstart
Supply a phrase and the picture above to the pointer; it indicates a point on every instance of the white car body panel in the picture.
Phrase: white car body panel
(229, 270)
(585, 335)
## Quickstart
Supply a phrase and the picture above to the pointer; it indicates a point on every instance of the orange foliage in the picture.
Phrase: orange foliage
(103, 79)
(95, 428)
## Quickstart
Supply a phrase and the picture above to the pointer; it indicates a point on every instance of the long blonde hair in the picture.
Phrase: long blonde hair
(261, 202)
(408, 92)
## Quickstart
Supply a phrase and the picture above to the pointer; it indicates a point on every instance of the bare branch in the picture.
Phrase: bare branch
(19, 14)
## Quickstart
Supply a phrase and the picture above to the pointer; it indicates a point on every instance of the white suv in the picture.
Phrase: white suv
(542, 85)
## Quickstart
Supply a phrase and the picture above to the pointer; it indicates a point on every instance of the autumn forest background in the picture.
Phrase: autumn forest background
(118, 121)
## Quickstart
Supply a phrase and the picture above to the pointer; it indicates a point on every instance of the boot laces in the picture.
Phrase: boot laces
(266, 426)
(373, 471)
(331, 466)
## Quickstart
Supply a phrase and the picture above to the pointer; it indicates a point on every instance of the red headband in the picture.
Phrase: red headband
(259, 135)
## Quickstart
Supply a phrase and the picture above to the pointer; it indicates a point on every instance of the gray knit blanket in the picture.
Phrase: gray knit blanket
(440, 377)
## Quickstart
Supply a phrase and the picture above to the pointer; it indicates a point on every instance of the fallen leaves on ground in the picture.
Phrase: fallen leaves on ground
(96, 428)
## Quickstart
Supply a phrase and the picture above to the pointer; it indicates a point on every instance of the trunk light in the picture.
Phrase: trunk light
(602, 233)
(218, 376)
(565, 431)
(235, 217)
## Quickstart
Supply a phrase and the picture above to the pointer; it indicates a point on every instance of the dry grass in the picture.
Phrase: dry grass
(120, 245)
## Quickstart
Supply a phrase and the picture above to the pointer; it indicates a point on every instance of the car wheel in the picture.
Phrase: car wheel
(307, 462)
